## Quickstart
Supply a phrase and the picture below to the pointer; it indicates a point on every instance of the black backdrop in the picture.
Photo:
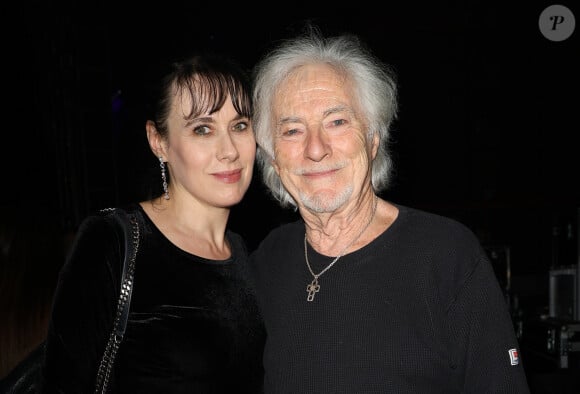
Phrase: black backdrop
(486, 131)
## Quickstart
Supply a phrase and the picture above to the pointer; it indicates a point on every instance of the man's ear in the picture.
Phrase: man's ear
(275, 166)
(375, 145)
(156, 142)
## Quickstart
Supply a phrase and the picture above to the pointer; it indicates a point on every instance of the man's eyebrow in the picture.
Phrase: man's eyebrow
(289, 119)
(329, 111)
(338, 108)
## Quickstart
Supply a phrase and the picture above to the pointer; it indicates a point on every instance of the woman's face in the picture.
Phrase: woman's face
(211, 157)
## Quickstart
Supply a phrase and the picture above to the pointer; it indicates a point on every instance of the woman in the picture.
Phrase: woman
(193, 324)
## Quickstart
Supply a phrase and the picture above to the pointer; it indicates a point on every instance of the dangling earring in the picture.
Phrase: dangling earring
(163, 178)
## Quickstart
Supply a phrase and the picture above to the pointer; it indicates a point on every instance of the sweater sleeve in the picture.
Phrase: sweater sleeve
(482, 332)
(83, 309)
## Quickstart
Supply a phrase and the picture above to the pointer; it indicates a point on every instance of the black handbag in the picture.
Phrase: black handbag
(130, 226)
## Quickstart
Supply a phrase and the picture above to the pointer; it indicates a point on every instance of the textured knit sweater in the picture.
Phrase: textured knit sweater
(418, 310)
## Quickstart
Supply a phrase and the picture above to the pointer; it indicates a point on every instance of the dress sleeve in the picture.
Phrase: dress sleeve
(485, 344)
(83, 309)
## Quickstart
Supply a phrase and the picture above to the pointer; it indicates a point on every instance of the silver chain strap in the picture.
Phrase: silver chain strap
(106, 365)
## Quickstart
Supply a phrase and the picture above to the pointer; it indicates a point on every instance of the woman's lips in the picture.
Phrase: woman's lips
(229, 176)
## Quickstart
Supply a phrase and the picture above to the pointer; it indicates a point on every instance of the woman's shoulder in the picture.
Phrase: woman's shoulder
(104, 230)
(111, 218)
(96, 223)
(129, 208)
(97, 244)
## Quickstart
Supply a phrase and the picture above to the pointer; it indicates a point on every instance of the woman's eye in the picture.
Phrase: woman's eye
(241, 126)
(338, 122)
(202, 130)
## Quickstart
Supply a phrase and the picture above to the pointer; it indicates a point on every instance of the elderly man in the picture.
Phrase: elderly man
(363, 295)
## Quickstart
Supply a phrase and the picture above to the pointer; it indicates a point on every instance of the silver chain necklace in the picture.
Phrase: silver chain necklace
(314, 287)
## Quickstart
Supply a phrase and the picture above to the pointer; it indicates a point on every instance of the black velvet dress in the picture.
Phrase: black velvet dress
(194, 326)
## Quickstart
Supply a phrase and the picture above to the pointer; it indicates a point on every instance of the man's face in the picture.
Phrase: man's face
(321, 152)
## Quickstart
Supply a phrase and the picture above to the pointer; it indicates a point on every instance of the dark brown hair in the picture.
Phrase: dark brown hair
(208, 80)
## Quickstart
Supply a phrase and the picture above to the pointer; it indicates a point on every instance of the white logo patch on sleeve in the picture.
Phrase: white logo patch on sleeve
(514, 357)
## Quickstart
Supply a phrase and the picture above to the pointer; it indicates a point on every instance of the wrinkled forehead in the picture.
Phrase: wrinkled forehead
(311, 76)
(313, 84)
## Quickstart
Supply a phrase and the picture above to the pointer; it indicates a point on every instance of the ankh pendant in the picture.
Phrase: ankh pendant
(312, 289)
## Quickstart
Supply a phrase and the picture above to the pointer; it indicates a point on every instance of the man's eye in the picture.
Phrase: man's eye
(290, 133)
(339, 122)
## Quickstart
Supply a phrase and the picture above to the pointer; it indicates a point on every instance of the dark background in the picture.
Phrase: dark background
(486, 132)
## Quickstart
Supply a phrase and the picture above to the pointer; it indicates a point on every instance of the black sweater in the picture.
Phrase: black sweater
(194, 326)
(418, 310)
